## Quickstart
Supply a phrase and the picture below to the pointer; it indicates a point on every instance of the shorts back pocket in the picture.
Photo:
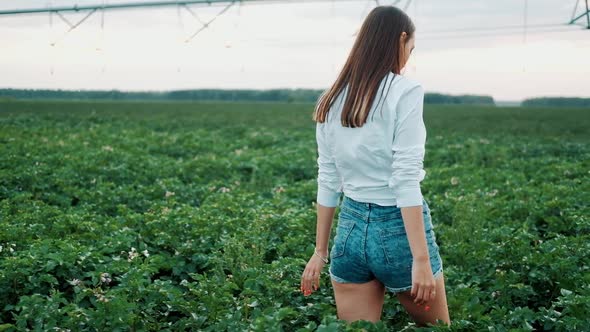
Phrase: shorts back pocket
(343, 231)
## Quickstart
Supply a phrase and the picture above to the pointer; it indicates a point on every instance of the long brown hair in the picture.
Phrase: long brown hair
(374, 54)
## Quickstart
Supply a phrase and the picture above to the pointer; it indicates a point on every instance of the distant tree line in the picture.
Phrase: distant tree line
(286, 95)
(557, 102)
(438, 98)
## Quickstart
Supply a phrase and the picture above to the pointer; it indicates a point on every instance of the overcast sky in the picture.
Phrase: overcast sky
(295, 44)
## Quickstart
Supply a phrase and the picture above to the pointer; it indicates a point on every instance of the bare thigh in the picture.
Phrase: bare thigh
(359, 301)
(438, 307)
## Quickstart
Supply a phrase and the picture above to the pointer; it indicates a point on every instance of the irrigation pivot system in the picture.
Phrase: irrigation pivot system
(137, 5)
(580, 16)
(404, 4)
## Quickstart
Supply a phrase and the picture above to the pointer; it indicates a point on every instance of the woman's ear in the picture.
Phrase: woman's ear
(402, 41)
(403, 36)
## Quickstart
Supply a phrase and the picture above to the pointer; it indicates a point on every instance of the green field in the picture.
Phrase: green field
(202, 216)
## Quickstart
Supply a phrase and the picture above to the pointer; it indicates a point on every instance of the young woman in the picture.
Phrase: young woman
(372, 151)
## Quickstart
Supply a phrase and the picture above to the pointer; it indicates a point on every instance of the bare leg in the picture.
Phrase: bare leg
(359, 301)
(438, 307)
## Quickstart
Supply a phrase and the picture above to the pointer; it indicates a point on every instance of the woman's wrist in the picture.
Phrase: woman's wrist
(323, 257)
(322, 251)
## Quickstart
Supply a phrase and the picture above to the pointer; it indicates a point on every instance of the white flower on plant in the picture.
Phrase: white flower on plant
(224, 189)
(102, 298)
(107, 148)
(132, 254)
(75, 282)
(169, 193)
(105, 278)
(146, 253)
(454, 180)
(484, 141)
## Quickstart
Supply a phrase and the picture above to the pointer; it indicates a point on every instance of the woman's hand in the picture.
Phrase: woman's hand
(310, 279)
(423, 283)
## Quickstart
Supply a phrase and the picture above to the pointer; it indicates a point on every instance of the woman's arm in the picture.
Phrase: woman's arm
(408, 156)
(329, 182)
(323, 228)
(329, 190)
(413, 218)
(310, 279)
(407, 168)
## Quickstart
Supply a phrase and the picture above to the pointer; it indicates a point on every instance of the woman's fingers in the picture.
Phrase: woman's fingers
(424, 293)
(307, 284)
(419, 294)
(429, 296)
(301, 286)
(310, 281)
(306, 280)
(316, 281)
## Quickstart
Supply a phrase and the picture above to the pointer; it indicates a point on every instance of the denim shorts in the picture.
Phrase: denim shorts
(371, 243)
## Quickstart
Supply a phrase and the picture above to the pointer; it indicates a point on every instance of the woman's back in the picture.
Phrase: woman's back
(380, 162)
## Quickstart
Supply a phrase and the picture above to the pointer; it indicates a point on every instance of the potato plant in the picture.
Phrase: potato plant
(179, 216)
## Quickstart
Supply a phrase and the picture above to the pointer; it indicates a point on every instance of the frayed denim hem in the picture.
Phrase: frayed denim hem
(337, 279)
(403, 289)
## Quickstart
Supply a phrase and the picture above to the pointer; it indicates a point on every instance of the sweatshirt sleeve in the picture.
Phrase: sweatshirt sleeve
(329, 181)
(409, 149)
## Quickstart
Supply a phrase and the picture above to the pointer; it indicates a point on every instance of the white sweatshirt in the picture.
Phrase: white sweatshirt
(382, 161)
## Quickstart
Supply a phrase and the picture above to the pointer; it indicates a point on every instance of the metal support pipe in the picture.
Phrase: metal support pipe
(586, 13)
(587, 16)
(575, 10)
(77, 8)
